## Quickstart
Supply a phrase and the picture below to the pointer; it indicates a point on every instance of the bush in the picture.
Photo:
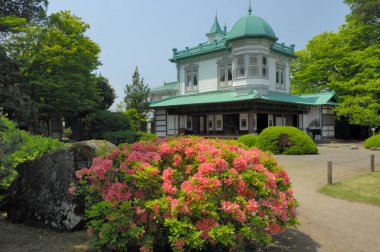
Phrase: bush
(185, 194)
(105, 121)
(373, 141)
(17, 146)
(248, 140)
(128, 136)
(286, 140)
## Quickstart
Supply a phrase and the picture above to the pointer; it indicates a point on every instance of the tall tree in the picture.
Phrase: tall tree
(15, 98)
(58, 59)
(136, 94)
(346, 62)
(107, 93)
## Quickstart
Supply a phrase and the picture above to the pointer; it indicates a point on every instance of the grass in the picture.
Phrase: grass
(363, 188)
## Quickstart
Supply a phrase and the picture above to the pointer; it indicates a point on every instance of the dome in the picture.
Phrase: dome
(251, 26)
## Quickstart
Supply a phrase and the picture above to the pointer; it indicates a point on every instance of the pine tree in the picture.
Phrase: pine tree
(136, 94)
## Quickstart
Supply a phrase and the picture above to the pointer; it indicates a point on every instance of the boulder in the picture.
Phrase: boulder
(40, 193)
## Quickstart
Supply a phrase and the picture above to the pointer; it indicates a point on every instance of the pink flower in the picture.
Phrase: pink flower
(221, 164)
(177, 160)
(179, 244)
(205, 225)
(240, 164)
(229, 180)
(252, 205)
(90, 232)
(206, 168)
(72, 190)
(274, 228)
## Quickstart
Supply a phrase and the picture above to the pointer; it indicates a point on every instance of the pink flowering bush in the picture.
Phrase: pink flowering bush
(185, 194)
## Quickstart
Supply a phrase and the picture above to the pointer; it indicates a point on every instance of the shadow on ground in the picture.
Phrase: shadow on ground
(292, 240)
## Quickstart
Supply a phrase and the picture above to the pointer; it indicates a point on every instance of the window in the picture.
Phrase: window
(253, 67)
(243, 121)
(191, 78)
(264, 68)
(280, 77)
(210, 124)
(257, 66)
(225, 74)
(219, 122)
(240, 66)
(189, 124)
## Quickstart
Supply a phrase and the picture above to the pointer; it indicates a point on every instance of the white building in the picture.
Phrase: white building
(237, 82)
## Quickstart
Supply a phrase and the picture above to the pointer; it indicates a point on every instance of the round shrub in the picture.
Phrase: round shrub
(248, 140)
(185, 194)
(286, 140)
(127, 136)
(373, 141)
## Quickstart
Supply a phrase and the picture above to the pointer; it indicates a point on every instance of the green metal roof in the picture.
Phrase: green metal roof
(251, 26)
(201, 49)
(230, 96)
(215, 28)
(166, 87)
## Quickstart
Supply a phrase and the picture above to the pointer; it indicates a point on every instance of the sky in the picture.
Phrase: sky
(142, 33)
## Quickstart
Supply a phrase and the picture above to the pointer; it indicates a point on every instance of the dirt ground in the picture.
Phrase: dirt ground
(326, 224)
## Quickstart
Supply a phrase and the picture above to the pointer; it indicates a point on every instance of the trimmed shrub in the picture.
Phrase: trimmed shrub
(103, 121)
(185, 194)
(17, 146)
(373, 141)
(128, 136)
(248, 140)
(286, 140)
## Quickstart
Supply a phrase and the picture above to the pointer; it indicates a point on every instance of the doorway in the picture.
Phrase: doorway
(262, 122)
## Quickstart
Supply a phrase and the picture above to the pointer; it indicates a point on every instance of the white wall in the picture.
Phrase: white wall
(207, 74)
(313, 114)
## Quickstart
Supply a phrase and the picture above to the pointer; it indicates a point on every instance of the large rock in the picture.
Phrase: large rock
(40, 193)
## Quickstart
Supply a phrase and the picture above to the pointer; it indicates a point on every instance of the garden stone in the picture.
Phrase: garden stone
(40, 193)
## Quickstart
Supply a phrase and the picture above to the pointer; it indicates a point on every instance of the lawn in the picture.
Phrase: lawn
(363, 188)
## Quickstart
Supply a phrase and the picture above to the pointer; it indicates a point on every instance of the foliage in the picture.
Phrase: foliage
(135, 118)
(31, 10)
(286, 140)
(103, 121)
(248, 140)
(57, 60)
(346, 62)
(15, 93)
(136, 94)
(17, 146)
(373, 141)
(128, 136)
(107, 92)
(362, 188)
(186, 194)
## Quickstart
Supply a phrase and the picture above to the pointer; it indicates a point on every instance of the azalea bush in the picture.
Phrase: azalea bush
(185, 194)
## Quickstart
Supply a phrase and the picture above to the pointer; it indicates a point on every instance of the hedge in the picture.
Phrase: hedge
(127, 136)
(286, 140)
(373, 141)
(248, 140)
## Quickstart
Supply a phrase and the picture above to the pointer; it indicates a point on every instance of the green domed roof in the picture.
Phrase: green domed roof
(251, 26)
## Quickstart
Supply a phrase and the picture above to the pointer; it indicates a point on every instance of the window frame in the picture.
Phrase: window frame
(191, 78)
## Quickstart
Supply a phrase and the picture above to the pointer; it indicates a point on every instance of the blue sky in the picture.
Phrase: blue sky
(142, 33)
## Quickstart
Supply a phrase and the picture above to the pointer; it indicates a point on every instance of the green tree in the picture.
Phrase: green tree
(346, 62)
(107, 92)
(136, 94)
(15, 97)
(58, 61)
(134, 118)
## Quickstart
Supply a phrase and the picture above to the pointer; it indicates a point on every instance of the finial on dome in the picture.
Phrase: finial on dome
(250, 8)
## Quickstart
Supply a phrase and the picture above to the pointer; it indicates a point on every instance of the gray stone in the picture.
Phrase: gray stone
(40, 193)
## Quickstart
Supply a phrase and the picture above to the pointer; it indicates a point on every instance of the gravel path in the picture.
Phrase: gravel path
(329, 224)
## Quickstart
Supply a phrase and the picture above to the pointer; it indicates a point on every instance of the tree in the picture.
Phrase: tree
(15, 97)
(136, 94)
(107, 92)
(57, 60)
(346, 62)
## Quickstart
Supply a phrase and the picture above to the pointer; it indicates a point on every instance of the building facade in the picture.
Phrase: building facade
(237, 82)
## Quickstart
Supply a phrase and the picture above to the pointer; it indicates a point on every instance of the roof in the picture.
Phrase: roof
(215, 28)
(251, 26)
(230, 96)
(166, 87)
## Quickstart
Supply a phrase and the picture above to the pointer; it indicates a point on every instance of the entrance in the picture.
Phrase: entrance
(262, 122)
(231, 124)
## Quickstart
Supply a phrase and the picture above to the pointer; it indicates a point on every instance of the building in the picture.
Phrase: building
(237, 82)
